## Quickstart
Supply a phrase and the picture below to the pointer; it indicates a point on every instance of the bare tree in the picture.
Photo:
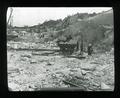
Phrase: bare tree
(11, 11)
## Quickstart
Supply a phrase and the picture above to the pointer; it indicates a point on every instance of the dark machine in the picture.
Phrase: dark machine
(66, 47)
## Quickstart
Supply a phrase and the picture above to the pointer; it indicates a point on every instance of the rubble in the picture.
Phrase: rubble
(32, 71)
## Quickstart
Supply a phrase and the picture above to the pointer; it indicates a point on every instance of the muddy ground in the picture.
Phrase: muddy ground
(34, 69)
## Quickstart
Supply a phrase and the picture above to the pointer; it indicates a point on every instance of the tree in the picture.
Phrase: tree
(11, 12)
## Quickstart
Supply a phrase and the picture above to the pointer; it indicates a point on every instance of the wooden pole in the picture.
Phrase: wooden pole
(11, 11)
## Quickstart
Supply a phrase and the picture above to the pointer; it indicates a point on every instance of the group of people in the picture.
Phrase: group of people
(79, 45)
(81, 50)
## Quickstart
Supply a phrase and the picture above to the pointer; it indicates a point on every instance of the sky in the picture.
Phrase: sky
(29, 16)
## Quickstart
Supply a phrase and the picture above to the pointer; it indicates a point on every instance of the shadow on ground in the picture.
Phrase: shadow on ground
(77, 57)
(48, 52)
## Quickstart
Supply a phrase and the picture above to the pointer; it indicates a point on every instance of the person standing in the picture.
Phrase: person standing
(80, 45)
(90, 49)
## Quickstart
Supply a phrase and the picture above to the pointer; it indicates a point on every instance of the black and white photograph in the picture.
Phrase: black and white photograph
(60, 48)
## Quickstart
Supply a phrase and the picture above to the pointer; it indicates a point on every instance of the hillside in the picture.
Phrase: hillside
(93, 27)
(104, 18)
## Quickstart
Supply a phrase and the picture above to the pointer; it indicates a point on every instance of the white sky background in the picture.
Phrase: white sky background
(32, 16)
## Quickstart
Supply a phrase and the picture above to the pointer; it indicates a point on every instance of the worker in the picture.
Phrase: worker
(90, 49)
(79, 47)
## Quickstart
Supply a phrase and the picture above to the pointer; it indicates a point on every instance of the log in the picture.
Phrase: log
(81, 87)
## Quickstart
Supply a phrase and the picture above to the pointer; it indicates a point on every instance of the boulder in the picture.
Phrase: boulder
(33, 61)
(50, 63)
(13, 86)
(88, 67)
(83, 72)
(104, 86)
(112, 51)
(78, 73)
(26, 55)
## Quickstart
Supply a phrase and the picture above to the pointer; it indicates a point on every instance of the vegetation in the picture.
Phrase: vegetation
(90, 26)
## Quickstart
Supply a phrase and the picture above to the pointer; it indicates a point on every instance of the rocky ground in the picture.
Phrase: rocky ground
(32, 70)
